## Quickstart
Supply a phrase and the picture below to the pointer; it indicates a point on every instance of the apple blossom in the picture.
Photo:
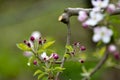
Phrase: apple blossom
(82, 16)
(35, 35)
(44, 56)
(102, 33)
(95, 17)
(111, 8)
(100, 3)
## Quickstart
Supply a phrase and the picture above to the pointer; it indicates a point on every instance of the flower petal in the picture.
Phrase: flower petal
(106, 39)
(96, 37)
(36, 35)
(91, 22)
(100, 3)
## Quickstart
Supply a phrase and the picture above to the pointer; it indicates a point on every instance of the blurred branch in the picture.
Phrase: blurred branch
(98, 66)
(68, 12)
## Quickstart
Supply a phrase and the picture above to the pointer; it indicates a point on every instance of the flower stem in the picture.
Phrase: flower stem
(67, 43)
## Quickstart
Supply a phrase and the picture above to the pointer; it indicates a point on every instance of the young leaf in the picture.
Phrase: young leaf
(23, 47)
(37, 72)
(67, 55)
(48, 44)
(41, 75)
(59, 69)
(69, 47)
(102, 51)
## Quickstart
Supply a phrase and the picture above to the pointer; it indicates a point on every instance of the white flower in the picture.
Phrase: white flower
(102, 33)
(95, 17)
(111, 8)
(36, 35)
(44, 56)
(82, 16)
(100, 3)
(96, 9)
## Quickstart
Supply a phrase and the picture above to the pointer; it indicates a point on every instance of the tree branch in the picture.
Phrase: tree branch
(68, 12)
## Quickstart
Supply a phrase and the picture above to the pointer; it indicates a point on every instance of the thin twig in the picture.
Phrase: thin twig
(98, 66)
(67, 43)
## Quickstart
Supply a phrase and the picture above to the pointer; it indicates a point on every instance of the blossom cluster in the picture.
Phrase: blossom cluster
(34, 43)
(95, 16)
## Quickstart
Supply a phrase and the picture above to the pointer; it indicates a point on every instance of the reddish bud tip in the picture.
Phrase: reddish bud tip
(82, 48)
(29, 45)
(55, 56)
(32, 38)
(35, 62)
(117, 55)
(40, 41)
(25, 41)
(81, 61)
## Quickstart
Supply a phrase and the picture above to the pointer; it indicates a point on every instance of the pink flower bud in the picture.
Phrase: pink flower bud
(112, 48)
(35, 62)
(82, 16)
(55, 56)
(111, 8)
(32, 38)
(84, 25)
(82, 48)
(117, 55)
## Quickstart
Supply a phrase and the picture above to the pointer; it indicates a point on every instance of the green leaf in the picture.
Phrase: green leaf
(41, 75)
(115, 32)
(23, 47)
(67, 55)
(69, 47)
(48, 44)
(59, 69)
(102, 51)
(37, 72)
(45, 78)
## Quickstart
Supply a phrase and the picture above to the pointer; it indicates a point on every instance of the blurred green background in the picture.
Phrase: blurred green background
(18, 18)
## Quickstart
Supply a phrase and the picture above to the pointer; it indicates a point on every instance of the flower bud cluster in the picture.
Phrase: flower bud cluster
(45, 57)
(35, 40)
(77, 48)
